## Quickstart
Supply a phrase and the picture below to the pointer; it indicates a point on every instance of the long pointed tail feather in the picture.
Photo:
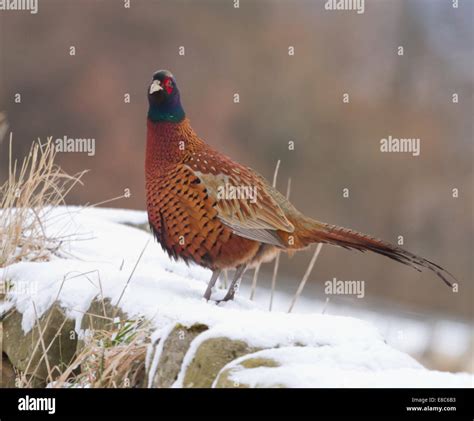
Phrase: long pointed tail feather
(343, 237)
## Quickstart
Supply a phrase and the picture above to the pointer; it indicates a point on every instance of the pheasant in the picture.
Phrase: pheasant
(207, 209)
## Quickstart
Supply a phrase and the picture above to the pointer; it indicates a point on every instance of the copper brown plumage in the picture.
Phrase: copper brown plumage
(193, 221)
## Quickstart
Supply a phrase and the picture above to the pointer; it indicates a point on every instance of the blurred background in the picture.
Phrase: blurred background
(283, 98)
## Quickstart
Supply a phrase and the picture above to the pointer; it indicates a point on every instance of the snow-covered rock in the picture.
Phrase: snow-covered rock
(375, 365)
(194, 343)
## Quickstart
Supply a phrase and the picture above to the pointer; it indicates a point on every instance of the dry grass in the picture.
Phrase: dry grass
(34, 187)
(110, 358)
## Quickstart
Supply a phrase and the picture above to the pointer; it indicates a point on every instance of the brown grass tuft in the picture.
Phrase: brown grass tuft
(111, 359)
(34, 187)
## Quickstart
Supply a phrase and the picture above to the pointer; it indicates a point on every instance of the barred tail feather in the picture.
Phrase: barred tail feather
(343, 237)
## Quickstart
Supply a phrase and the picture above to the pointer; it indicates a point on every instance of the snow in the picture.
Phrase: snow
(448, 332)
(414, 334)
(121, 216)
(376, 365)
(100, 256)
(263, 329)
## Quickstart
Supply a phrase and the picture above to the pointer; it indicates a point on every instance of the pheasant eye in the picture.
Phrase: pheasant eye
(168, 84)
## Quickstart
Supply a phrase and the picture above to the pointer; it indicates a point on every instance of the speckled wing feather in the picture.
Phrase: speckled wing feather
(182, 217)
(257, 218)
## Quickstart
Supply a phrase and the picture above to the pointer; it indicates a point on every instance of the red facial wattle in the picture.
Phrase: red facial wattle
(168, 85)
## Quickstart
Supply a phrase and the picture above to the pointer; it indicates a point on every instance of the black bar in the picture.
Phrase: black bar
(241, 403)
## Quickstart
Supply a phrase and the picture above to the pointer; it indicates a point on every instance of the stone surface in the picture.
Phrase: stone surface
(25, 351)
(174, 349)
(225, 380)
(99, 317)
(210, 357)
(7, 372)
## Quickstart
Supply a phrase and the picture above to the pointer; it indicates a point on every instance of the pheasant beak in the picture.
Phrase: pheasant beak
(155, 86)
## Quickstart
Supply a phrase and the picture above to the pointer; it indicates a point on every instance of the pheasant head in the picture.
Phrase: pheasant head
(163, 98)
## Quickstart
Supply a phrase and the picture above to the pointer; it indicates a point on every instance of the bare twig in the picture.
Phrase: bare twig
(254, 282)
(130, 277)
(226, 279)
(43, 346)
(275, 174)
(326, 304)
(277, 258)
(306, 276)
(275, 272)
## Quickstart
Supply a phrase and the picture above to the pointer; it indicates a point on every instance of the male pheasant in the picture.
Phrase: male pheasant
(193, 218)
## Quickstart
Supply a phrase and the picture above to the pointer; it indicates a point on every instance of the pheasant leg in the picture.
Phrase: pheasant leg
(233, 286)
(212, 282)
